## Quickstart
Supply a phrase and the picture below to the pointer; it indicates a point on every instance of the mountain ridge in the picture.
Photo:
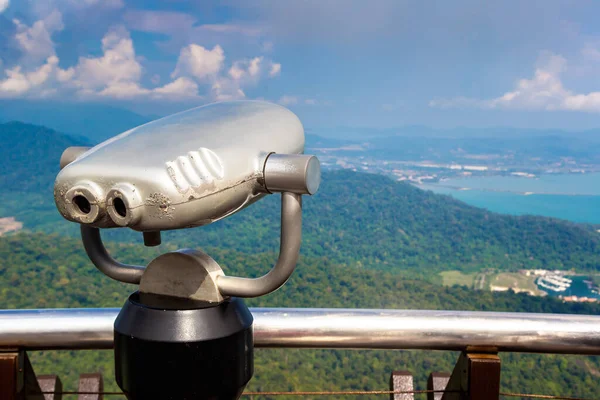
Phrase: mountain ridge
(97, 122)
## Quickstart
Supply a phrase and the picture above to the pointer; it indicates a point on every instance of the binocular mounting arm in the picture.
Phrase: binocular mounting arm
(291, 234)
(92, 242)
(289, 249)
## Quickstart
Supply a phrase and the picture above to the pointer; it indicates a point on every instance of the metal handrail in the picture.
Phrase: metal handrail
(333, 328)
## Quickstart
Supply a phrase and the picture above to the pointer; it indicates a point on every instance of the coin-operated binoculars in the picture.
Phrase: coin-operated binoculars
(186, 333)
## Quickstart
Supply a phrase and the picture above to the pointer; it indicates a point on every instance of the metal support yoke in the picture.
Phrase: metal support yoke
(289, 249)
(291, 235)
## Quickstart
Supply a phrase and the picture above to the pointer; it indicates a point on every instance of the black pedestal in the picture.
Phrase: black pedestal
(183, 350)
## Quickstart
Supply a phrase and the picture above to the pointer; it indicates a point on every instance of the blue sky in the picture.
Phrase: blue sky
(379, 64)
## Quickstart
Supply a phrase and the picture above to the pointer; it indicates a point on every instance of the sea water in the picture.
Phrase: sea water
(578, 288)
(574, 197)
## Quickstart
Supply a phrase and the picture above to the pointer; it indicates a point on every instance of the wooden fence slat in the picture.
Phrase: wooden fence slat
(401, 381)
(50, 383)
(91, 383)
(437, 381)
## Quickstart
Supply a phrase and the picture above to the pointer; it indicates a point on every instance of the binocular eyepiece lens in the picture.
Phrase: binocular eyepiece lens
(120, 207)
(82, 204)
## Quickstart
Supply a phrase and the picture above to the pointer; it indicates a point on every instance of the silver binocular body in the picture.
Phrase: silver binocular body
(188, 169)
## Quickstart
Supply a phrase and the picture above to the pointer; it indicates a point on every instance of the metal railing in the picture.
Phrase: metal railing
(478, 335)
(334, 329)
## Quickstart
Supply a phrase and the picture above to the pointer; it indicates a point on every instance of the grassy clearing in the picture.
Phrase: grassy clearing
(516, 281)
(451, 278)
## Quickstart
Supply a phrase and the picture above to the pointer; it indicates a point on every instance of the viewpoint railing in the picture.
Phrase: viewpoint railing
(479, 335)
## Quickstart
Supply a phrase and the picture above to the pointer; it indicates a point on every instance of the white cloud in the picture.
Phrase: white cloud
(246, 69)
(39, 81)
(114, 74)
(74, 5)
(15, 83)
(231, 29)
(544, 91)
(103, 3)
(242, 73)
(275, 69)
(121, 90)
(225, 89)
(118, 71)
(115, 70)
(251, 70)
(36, 41)
(254, 66)
(288, 100)
(4, 5)
(199, 62)
(165, 22)
(184, 87)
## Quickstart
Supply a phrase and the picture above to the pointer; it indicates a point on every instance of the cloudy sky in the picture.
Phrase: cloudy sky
(336, 63)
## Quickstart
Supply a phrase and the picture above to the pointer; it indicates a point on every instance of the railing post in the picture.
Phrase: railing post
(437, 381)
(17, 379)
(51, 387)
(476, 376)
(11, 376)
(401, 381)
(92, 386)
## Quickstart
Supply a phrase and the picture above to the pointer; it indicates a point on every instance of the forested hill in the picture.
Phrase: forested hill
(355, 219)
(39, 270)
(29, 156)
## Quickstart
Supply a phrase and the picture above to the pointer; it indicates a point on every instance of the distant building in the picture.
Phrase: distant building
(475, 167)
(575, 299)
(523, 174)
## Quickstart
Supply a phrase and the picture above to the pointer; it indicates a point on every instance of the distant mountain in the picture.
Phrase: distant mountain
(316, 141)
(464, 145)
(30, 155)
(94, 121)
(420, 131)
(515, 148)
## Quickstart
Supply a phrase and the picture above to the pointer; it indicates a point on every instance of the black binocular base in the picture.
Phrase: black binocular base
(176, 350)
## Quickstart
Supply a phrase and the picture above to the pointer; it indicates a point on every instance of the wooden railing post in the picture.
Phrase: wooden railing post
(437, 381)
(17, 379)
(476, 376)
(11, 375)
(91, 385)
(401, 381)
(51, 387)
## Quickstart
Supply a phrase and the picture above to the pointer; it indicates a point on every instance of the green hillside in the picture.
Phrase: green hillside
(29, 156)
(52, 271)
